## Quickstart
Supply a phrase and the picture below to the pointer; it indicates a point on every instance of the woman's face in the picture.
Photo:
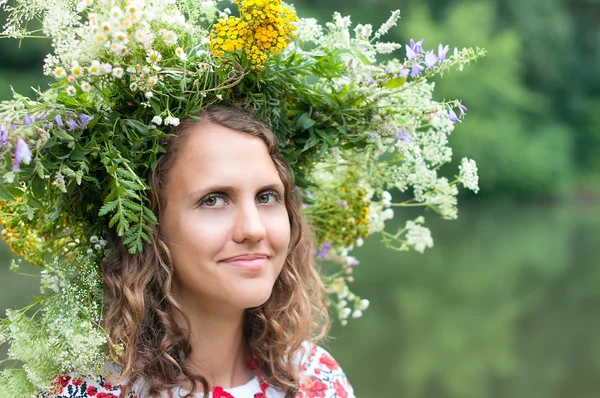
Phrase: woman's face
(224, 220)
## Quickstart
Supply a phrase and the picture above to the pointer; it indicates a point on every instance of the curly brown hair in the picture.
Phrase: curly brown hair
(140, 303)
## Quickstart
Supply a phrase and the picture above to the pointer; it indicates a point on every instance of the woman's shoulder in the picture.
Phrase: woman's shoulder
(73, 386)
(322, 376)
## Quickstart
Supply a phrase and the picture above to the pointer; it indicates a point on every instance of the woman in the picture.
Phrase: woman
(226, 298)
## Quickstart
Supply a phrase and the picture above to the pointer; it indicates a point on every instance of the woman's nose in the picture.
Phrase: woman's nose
(249, 225)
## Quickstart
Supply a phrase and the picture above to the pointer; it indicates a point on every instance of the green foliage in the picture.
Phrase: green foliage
(519, 149)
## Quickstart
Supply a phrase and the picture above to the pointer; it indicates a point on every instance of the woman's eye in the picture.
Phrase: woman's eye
(213, 200)
(268, 197)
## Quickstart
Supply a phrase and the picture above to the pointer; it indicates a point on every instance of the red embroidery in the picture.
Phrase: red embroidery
(317, 389)
(340, 391)
(218, 392)
(92, 391)
(329, 362)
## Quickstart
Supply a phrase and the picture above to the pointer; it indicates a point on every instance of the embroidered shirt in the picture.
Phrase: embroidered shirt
(321, 377)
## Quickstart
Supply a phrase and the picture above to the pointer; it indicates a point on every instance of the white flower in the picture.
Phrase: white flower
(417, 237)
(59, 72)
(157, 120)
(149, 94)
(101, 37)
(117, 72)
(153, 56)
(133, 86)
(71, 79)
(116, 12)
(134, 9)
(387, 214)
(106, 27)
(171, 121)
(71, 91)
(118, 49)
(386, 48)
(106, 68)
(76, 69)
(360, 242)
(345, 313)
(386, 199)
(152, 80)
(357, 314)
(95, 68)
(85, 87)
(468, 174)
(168, 36)
(142, 36)
(363, 32)
(388, 24)
(180, 54)
(121, 37)
(364, 304)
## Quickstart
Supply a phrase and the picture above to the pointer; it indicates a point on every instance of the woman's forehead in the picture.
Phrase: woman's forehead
(214, 155)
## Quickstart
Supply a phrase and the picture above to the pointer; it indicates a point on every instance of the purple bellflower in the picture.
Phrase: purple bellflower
(72, 124)
(416, 47)
(22, 154)
(462, 109)
(58, 120)
(442, 51)
(452, 116)
(416, 69)
(3, 134)
(28, 120)
(403, 72)
(430, 59)
(85, 120)
(324, 252)
(410, 53)
(403, 136)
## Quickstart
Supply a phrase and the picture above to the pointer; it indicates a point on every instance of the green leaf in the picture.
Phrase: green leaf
(38, 187)
(107, 208)
(136, 125)
(5, 193)
(362, 57)
(62, 135)
(36, 203)
(305, 122)
(395, 82)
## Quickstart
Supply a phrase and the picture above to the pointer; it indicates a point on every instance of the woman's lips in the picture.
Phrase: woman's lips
(249, 262)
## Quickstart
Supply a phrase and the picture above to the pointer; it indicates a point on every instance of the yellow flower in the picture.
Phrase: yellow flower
(264, 27)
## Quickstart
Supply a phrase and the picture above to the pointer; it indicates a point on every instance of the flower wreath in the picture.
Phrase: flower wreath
(74, 158)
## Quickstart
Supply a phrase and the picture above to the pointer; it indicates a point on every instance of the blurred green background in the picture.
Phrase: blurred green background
(505, 303)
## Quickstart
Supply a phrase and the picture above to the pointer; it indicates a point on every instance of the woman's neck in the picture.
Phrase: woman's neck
(218, 349)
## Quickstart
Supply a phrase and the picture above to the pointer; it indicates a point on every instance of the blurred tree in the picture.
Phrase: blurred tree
(520, 149)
